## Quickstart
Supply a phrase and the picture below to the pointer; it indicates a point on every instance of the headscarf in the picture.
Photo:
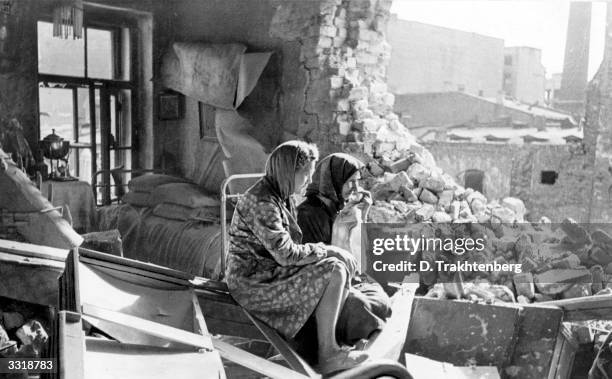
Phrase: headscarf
(280, 168)
(330, 175)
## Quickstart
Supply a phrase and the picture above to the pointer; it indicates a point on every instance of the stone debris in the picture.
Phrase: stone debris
(558, 261)
(21, 337)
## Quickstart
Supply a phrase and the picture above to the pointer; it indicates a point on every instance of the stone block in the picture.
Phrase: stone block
(328, 31)
(577, 290)
(336, 82)
(418, 172)
(503, 215)
(401, 165)
(476, 333)
(445, 198)
(326, 42)
(434, 183)
(428, 197)
(575, 232)
(599, 278)
(601, 256)
(399, 180)
(425, 212)
(351, 62)
(375, 169)
(516, 205)
(523, 283)
(370, 125)
(556, 281)
(344, 128)
(441, 217)
(602, 239)
(408, 194)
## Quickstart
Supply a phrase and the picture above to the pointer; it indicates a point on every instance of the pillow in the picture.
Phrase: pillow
(147, 183)
(137, 199)
(185, 194)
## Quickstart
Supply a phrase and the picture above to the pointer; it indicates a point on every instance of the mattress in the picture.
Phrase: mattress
(192, 246)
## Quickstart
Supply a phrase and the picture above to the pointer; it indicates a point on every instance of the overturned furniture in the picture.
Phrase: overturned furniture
(150, 314)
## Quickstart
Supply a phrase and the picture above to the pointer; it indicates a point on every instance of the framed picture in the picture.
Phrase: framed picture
(207, 121)
(170, 106)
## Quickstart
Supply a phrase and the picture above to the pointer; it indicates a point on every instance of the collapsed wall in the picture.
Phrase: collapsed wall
(347, 107)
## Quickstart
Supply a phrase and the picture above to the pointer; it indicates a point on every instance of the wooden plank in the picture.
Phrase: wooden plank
(585, 308)
(131, 263)
(235, 329)
(71, 346)
(133, 271)
(13, 258)
(226, 350)
(295, 361)
(199, 324)
(34, 251)
(390, 342)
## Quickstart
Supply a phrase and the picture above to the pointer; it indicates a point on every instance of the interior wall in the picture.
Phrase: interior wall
(273, 106)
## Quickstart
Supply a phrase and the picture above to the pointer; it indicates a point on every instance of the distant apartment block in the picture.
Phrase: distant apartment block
(524, 75)
(428, 58)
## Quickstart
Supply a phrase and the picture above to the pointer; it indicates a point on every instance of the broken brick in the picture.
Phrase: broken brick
(575, 232)
(425, 212)
(428, 197)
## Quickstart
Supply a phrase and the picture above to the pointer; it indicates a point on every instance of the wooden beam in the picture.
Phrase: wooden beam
(597, 307)
(226, 350)
(34, 251)
(295, 361)
(390, 342)
(71, 346)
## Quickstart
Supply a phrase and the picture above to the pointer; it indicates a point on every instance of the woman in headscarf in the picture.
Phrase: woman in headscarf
(367, 305)
(272, 274)
(326, 195)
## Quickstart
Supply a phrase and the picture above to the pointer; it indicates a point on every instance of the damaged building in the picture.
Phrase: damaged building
(118, 137)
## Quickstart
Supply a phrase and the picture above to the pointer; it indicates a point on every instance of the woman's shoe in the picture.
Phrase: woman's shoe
(343, 360)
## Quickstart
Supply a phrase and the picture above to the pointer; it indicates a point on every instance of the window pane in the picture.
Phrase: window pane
(59, 56)
(99, 54)
(84, 165)
(56, 112)
(84, 116)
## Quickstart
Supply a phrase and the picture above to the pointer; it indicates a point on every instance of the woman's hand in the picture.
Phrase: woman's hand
(345, 257)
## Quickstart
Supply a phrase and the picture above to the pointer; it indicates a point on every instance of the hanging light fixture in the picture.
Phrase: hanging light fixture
(5, 11)
(68, 19)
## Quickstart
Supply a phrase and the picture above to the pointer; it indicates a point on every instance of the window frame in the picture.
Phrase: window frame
(104, 87)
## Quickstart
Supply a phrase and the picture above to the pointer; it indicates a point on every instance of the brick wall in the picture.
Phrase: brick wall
(515, 170)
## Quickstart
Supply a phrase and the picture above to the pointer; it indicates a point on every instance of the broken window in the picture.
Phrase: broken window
(548, 177)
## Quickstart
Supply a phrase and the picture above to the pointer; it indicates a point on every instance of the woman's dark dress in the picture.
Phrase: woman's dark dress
(367, 305)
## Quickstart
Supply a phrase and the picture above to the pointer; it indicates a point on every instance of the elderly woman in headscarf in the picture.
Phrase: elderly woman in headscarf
(367, 305)
(274, 276)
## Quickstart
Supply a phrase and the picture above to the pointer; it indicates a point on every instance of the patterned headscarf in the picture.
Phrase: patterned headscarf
(330, 175)
(280, 168)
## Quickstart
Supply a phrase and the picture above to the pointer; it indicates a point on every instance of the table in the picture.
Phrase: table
(78, 196)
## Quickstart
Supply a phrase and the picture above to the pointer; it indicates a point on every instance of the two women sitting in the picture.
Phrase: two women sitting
(282, 278)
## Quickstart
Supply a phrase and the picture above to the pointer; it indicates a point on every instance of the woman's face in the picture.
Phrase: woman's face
(303, 178)
(352, 182)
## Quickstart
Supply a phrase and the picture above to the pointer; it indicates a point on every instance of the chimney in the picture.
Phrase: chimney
(572, 93)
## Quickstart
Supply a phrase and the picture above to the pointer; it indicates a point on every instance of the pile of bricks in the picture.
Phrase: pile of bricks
(558, 261)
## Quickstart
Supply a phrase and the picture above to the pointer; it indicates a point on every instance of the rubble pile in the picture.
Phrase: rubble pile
(558, 261)
(21, 335)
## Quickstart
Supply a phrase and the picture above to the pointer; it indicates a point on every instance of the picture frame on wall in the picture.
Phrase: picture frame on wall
(170, 106)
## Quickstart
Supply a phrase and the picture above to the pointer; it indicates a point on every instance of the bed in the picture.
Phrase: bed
(170, 222)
